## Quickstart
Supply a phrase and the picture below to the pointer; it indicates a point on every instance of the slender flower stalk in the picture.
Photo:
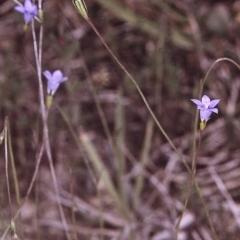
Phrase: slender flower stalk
(30, 11)
(44, 112)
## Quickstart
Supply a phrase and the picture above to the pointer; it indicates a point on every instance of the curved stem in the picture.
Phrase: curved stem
(141, 94)
(211, 67)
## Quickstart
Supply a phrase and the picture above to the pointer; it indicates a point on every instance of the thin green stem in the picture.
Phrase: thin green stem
(214, 234)
(193, 171)
(44, 113)
(29, 188)
(14, 173)
(6, 165)
(141, 94)
(12, 162)
(73, 205)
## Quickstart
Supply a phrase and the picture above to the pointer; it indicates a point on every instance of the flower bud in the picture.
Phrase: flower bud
(40, 14)
(202, 125)
(49, 100)
(81, 7)
(2, 136)
(25, 27)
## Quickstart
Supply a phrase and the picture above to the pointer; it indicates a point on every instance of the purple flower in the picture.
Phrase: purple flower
(29, 11)
(54, 80)
(206, 107)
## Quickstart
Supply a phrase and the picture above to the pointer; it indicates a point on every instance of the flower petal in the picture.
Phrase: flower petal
(47, 74)
(205, 98)
(27, 17)
(213, 103)
(34, 11)
(20, 9)
(57, 75)
(206, 101)
(197, 102)
(28, 5)
(52, 87)
(205, 114)
(215, 110)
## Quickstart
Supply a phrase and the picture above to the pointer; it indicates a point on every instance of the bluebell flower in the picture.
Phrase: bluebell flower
(29, 11)
(54, 80)
(207, 107)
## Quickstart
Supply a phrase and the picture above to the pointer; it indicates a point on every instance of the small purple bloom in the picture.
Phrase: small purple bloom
(206, 107)
(29, 11)
(54, 80)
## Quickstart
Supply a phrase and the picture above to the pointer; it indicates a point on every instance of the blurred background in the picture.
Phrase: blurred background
(129, 184)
